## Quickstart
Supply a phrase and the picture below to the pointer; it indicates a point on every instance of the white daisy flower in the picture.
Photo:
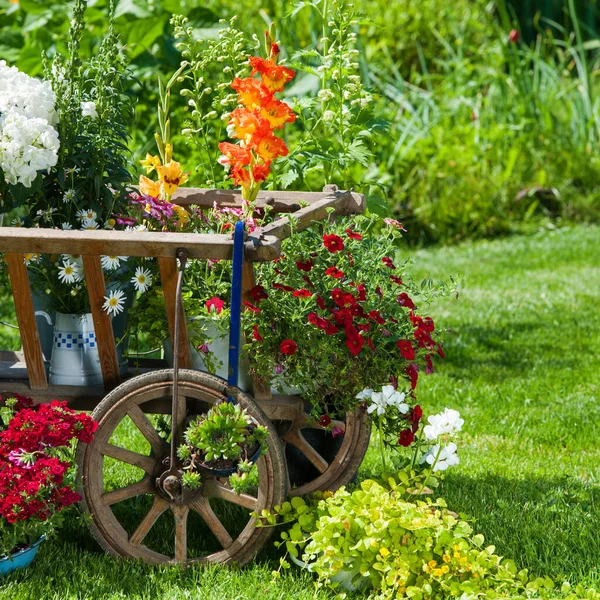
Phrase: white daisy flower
(87, 214)
(114, 302)
(110, 263)
(89, 224)
(66, 226)
(68, 196)
(17, 222)
(142, 280)
(66, 273)
(31, 257)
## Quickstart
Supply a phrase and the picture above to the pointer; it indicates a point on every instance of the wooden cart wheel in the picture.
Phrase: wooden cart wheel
(141, 519)
(318, 461)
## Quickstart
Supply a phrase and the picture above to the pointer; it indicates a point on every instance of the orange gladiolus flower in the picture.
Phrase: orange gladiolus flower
(270, 147)
(234, 154)
(240, 176)
(277, 113)
(247, 123)
(273, 76)
(260, 172)
(251, 91)
(149, 187)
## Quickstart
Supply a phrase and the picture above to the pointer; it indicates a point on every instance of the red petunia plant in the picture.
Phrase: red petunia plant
(254, 123)
(339, 314)
(36, 444)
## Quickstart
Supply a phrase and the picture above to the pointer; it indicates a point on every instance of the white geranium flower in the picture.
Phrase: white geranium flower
(110, 263)
(66, 273)
(378, 403)
(448, 422)
(365, 394)
(447, 457)
(114, 302)
(142, 280)
(88, 109)
(395, 398)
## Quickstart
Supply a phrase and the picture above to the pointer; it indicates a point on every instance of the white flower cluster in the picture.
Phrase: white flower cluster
(28, 141)
(448, 422)
(381, 401)
(441, 459)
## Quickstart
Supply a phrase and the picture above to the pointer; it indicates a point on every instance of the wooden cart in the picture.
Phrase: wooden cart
(189, 526)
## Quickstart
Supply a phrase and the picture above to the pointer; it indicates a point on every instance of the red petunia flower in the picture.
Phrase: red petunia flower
(405, 300)
(282, 287)
(396, 279)
(333, 243)
(216, 303)
(406, 349)
(406, 438)
(387, 261)
(302, 293)
(255, 334)
(251, 307)
(258, 293)
(305, 265)
(324, 420)
(429, 364)
(440, 351)
(353, 234)
(413, 372)
(320, 302)
(334, 272)
(288, 347)
(374, 314)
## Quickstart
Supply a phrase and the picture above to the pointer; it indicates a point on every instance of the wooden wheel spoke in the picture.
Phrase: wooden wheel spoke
(296, 438)
(182, 415)
(180, 513)
(215, 489)
(146, 428)
(140, 488)
(147, 463)
(204, 509)
(158, 508)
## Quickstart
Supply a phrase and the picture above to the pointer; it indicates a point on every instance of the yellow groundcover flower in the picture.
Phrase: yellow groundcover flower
(150, 163)
(171, 177)
(149, 187)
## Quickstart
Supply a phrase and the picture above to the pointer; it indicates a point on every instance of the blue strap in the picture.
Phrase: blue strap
(236, 305)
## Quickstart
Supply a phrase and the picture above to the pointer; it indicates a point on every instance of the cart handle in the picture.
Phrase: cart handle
(235, 315)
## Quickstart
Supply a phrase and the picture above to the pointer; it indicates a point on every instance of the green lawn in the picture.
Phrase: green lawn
(523, 367)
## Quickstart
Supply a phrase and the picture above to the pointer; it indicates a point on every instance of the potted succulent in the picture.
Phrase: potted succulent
(35, 473)
(64, 164)
(225, 442)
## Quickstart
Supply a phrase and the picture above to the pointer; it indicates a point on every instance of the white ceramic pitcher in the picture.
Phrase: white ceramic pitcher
(75, 359)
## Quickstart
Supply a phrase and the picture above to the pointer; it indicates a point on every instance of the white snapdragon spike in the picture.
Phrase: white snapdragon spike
(448, 422)
(365, 394)
(110, 263)
(142, 279)
(88, 109)
(114, 302)
(447, 457)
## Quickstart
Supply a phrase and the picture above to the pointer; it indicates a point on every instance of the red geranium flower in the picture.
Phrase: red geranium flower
(406, 438)
(353, 234)
(333, 243)
(388, 262)
(334, 272)
(404, 300)
(257, 293)
(216, 303)
(255, 334)
(305, 265)
(302, 293)
(288, 347)
(325, 420)
(406, 349)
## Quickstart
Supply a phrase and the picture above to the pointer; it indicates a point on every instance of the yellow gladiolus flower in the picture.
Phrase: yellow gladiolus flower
(150, 163)
(171, 177)
(183, 215)
(149, 187)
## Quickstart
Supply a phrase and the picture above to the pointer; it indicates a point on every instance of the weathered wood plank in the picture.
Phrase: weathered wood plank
(168, 278)
(115, 243)
(107, 350)
(30, 339)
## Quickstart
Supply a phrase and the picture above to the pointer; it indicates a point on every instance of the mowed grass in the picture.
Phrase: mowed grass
(523, 368)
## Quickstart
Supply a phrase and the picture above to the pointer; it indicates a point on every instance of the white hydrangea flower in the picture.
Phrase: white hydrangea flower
(447, 457)
(114, 302)
(88, 109)
(448, 422)
(142, 279)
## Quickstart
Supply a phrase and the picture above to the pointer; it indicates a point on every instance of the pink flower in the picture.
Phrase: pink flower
(514, 36)
(335, 431)
(216, 303)
(394, 223)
